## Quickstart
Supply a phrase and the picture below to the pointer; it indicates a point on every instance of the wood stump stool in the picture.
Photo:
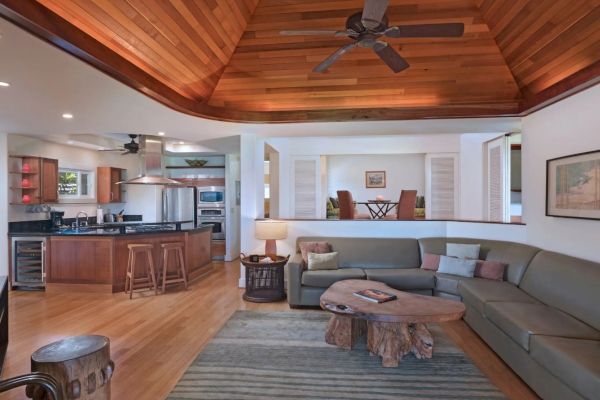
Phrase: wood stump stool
(181, 277)
(146, 281)
(81, 365)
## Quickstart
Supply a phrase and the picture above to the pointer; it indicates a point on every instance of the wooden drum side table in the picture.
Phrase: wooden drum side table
(264, 281)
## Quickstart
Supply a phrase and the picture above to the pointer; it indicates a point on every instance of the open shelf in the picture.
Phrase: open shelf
(24, 187)
(22, 173)
(186, 167)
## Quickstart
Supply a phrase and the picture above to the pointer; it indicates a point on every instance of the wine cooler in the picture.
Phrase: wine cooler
(28, 262)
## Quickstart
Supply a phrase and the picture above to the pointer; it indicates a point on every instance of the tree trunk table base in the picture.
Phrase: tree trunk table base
(392, 340)
(343, 331)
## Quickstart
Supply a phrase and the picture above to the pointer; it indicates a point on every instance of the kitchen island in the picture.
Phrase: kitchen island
(95, 259)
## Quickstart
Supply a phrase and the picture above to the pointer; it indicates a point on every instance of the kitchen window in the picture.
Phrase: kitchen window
(76, 183)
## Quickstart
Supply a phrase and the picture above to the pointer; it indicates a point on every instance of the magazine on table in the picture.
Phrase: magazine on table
(375, 295)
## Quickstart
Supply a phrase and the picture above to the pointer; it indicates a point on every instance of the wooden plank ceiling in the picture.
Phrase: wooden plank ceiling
(184, 44)
(225, 59)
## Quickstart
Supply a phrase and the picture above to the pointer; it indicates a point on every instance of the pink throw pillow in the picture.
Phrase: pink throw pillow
(431, 261)
(313, 247)
(490, 270)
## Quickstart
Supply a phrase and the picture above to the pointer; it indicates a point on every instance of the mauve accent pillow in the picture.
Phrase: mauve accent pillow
(459, 250)
(457, 266)
(490, 270)
(431, 261)
(313, 247)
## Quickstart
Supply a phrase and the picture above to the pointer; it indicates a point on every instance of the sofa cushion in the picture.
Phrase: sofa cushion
(457, 266)
(327, 278)
(372, 252)
(462, 250)
(403, 279)
(517, 256)
(431, 261)
(477, 292)
(448, 283)
(313, 247)
(318, 262)
(567, 283)
(522, 320)
(573, 361)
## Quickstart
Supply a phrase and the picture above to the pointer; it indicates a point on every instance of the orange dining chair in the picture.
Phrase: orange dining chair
(405, 210)
(347, 207)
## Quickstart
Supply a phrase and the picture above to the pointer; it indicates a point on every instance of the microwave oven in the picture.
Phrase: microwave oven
(211, 196)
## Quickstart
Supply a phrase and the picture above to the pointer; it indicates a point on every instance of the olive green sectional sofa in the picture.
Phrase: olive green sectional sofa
(543, 320)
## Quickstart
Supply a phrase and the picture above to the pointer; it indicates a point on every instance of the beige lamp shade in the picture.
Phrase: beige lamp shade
(271, 230)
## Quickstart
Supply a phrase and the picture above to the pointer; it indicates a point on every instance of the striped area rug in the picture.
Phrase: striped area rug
(282, 355)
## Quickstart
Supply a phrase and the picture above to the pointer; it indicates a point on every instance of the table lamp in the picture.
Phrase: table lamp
(271, 231)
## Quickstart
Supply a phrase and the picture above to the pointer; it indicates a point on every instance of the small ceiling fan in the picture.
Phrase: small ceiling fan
(128, 148)
(369, 25)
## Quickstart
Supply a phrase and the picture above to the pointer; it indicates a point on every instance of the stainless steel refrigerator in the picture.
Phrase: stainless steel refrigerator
(180, 204)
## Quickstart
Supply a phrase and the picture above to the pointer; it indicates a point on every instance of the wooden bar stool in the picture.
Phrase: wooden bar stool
(142, 282)
(177, 249)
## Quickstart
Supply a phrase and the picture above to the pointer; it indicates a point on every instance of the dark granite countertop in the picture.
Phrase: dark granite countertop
(115, 229)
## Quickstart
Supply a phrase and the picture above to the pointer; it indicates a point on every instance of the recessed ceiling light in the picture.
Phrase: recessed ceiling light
(70, 142)
(4, 84)
(101, 148)
(67, 116)
(161, 134)
(181, 142)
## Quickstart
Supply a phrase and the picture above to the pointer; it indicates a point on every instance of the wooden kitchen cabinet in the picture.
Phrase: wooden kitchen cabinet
(107, 189)
(41, 176)
(49, 180)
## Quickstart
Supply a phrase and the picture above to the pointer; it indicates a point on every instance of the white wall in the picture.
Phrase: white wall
(568, 127)
(139, 200)
(472, 175)
(3, 205)
(403, 171)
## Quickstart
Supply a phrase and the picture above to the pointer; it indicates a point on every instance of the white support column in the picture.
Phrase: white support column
(3, 204)
(252, 194)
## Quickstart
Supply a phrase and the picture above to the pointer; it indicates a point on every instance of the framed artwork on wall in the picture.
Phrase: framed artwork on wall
(375, 179)
(573, 186)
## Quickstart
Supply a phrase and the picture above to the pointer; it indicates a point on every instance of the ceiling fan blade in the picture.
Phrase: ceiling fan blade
(390, 57)
(111, 149)
(334, 57)
(426, 30)
(373, 13)
(127, 152)
(315, 32)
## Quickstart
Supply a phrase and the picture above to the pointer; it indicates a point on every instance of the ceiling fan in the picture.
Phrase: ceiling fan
(128, 148)
(369, 25)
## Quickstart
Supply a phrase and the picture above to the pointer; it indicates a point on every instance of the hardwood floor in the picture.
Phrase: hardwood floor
(155, 338)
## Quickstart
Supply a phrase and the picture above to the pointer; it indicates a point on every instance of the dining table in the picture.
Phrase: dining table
(379, 208)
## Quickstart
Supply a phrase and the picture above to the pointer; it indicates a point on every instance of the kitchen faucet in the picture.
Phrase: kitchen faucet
(77, 219)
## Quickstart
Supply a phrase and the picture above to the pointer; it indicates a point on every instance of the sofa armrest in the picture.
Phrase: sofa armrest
(295, 268)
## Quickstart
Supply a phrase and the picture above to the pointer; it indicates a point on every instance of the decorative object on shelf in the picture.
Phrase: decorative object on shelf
(420, 207)
(271, 230)
(573, 186)
(26, 168)
(375, 179)
(264, 280)
(26, 199)
(379, 198)
(25, 183)
(195, 163)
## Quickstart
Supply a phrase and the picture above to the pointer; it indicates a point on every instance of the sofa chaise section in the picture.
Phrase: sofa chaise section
(548, 328)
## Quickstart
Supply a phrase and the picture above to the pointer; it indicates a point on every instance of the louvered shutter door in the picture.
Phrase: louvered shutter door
(442, 186)
(305, 188)
(498, 183)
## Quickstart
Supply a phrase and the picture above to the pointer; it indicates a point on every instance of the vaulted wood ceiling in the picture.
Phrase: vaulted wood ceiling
(225, 59)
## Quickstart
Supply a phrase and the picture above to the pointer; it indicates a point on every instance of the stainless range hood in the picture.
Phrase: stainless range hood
(152, 168)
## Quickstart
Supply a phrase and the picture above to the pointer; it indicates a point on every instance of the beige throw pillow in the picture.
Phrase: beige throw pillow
(322, 261)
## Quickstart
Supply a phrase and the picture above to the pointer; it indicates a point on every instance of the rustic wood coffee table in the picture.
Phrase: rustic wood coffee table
(394, 328)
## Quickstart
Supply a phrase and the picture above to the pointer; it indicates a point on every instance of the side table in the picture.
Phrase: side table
(264, 281)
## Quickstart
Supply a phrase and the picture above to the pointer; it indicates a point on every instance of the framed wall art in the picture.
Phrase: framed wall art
(573, 186)
(375, 179)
